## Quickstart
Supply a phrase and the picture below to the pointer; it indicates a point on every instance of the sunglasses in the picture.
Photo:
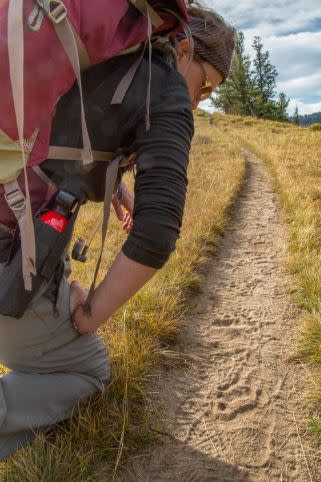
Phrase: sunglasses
(207, 88)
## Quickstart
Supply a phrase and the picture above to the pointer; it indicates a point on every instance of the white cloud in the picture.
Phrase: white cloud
(303, 108)
(303, 86)
(283, 16)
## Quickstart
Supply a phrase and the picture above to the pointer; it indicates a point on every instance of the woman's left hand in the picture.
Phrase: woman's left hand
(127, 201)
(78, 295)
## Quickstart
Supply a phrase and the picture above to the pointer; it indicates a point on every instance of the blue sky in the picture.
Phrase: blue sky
(291, 32)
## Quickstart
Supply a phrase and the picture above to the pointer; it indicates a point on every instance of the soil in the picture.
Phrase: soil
(235, 410)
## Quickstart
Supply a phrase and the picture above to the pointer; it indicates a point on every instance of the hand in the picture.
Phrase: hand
(128, 222)
(128, 202)
(78, 295)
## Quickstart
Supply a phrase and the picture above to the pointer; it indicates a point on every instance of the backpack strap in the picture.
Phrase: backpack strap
(111, 178)
(61, 153)
(18, 203)
(128, 78)
(56, 12)
(144, 7)
(36, 19)
(84, 59)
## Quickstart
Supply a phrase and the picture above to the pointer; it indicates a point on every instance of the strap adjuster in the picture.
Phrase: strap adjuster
(55, 10)
(15, 200)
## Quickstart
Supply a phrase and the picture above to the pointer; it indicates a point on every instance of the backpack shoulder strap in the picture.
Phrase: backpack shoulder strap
(144, 7)
(56, 12)
(20, 204)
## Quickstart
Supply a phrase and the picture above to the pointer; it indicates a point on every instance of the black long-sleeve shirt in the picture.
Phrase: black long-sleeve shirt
(162, 152)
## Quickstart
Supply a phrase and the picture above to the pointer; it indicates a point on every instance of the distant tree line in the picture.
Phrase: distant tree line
(250, 89)
(307, 119)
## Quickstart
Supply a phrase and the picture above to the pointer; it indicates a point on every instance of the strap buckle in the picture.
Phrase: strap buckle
(55, 10)
(15, 200)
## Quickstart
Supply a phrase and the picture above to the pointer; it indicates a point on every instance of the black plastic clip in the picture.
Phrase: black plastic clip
(80, 250)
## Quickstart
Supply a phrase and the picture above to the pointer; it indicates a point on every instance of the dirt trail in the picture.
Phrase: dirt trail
(233, 413)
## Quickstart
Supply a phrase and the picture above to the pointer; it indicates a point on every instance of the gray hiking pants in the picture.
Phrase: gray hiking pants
(53, 368)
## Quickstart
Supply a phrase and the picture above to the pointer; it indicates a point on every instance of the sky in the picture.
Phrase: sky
(291, 32)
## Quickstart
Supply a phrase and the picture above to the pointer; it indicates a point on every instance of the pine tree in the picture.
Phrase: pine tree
(264, 77)
(252, 92)
(296, 117)
(235, 96)
(281, 108)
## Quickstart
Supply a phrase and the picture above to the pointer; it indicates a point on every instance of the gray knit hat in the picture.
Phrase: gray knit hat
(214, 41)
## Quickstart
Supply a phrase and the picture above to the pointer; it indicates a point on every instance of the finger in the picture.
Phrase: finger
(118, 209)
(127, 199)
(128, 226)
(128, 203)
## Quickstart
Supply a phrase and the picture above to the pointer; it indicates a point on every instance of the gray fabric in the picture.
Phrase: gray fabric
(53, 369)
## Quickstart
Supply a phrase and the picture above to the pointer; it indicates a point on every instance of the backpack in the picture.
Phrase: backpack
(45, 46)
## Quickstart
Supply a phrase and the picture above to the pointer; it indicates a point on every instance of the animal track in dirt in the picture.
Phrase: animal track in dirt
(233, 412)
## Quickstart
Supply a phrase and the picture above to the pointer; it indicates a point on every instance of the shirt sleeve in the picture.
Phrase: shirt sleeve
(161, 179)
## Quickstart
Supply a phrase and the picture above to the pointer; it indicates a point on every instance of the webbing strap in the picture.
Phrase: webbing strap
(24, 212)
(128, 78)
(66, 36)
(84, 59)
(144, 7)
(111, 178)
(61, 153)
(56, 14)
(131, 50)
(126, 81)
(75, 154)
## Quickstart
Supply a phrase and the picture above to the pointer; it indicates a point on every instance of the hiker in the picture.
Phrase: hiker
(54, 364)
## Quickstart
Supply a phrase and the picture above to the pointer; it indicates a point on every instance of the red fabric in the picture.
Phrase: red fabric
(105, 31)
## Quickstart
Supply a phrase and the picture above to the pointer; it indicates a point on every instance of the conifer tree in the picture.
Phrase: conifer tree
(235, 96)
(281, 106)
(252, 92)
(264, 77)
(296, 117)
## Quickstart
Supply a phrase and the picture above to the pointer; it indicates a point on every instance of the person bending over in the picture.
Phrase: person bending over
(54, 366)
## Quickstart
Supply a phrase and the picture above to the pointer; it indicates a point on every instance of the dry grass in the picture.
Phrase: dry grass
(115, 427)
(293, 155)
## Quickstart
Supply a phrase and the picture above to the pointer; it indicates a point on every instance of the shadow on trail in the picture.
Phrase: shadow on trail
(190, 465)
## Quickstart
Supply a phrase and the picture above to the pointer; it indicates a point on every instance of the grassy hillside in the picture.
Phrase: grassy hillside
(293, 155)
(114, 426)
